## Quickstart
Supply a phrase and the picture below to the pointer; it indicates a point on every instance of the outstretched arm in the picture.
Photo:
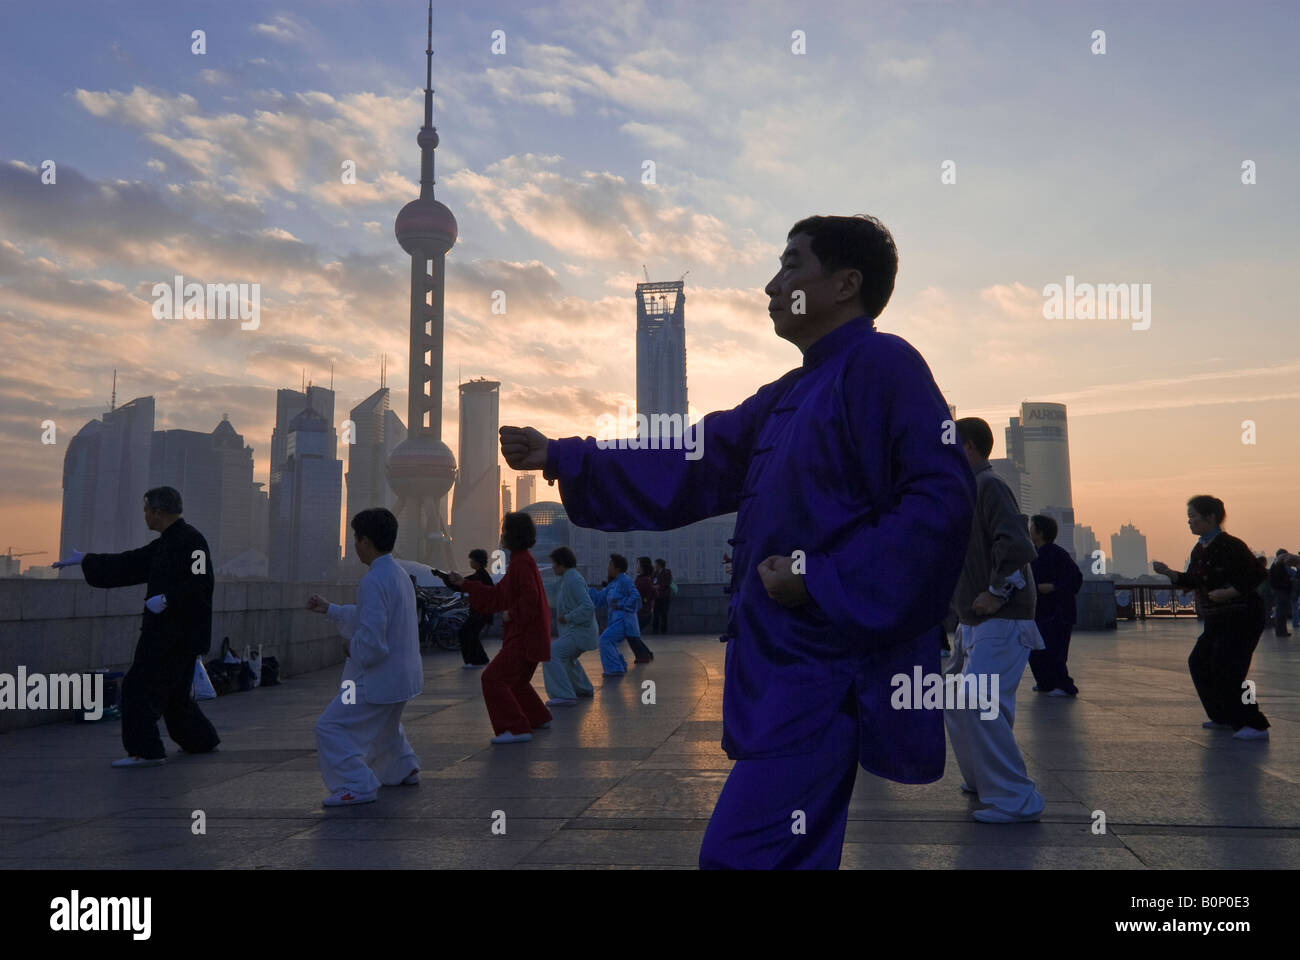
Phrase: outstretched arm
(119, 569)
(625, 489)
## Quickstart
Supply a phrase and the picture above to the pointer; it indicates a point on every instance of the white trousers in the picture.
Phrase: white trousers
(362, 745)
(986, 750)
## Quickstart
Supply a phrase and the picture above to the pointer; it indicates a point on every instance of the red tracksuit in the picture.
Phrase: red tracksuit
(512, 703)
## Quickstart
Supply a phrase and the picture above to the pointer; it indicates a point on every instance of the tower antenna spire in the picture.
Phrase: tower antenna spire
(112, 403)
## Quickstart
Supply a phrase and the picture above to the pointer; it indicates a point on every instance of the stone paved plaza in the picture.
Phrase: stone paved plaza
(619, 784)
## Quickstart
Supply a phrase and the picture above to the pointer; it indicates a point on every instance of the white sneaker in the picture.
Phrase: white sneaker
(509, 737)
(1211, 725)
(346, 798)
(1058, 692)
(1250, 733)
(473, 666)
(139, 762)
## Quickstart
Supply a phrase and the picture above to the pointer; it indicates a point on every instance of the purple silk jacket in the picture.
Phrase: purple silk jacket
(842, 458)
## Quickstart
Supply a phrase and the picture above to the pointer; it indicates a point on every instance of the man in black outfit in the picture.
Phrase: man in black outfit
(1225, 575)
(1280, 580)
(471, 648)
(177, 628)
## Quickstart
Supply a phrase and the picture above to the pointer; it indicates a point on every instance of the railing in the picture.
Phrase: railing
(1138, 601)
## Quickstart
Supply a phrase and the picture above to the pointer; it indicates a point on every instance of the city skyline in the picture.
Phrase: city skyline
(186, 178)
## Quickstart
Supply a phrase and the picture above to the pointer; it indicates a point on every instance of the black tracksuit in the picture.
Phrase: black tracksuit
(162, 672)
(1221, 658)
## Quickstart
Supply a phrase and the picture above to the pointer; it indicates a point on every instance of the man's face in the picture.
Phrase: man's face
(800, 270)
(611, 571)
(152, 518)
(1035, 537)
(366, 551)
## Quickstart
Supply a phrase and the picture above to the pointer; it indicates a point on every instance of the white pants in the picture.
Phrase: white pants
(362, 745)
(986, 750)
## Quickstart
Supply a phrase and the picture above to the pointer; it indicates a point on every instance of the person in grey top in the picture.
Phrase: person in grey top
(994, 602)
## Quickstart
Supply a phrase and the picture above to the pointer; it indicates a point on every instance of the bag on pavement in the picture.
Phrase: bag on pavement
(202, 688)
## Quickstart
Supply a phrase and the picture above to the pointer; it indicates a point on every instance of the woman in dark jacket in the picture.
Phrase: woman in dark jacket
(471, 647)
(1225, 574)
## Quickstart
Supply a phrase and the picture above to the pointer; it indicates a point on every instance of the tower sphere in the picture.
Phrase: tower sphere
(421, 466)
(425, 223)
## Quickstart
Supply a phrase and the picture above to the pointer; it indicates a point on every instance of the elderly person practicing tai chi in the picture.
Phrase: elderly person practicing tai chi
(853, 506)
(513, 705)
(360, 742)
(575, 614)
(176, 629)
(1225, 575)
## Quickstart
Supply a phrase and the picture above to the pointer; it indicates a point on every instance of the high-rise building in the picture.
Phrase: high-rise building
(661, 351)
(305, 502)
(105, 475)
(1128, 553)
(422, 468)
(377, 431)
(214, 474)
(288, 404)
(1038, 444)
(476, 522)
(525, 490)
(505, 500)
(1085, 545)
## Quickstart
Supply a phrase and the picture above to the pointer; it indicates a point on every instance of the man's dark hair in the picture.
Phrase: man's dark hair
(1046, 527)
(619, 561)
(479, 556)
(1208, 506)
(163, 499)
(660, 562)
(643, 566)
(1280, 551)
(518, 531)
(978, 433)
(859, 243)
(378, 525)
(564, 557)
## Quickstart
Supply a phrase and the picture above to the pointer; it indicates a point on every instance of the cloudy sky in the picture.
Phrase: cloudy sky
(1122, 167)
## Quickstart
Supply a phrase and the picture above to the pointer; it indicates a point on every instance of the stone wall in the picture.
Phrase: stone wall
(66, 626)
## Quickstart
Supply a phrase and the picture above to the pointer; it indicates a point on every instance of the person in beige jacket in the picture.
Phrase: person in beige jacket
(994, 602)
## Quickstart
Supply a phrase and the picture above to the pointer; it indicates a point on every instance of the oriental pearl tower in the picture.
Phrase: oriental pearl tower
(421, 469)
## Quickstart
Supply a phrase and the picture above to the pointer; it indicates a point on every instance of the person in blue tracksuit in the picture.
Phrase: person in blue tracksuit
(853, 503)
(621, 597)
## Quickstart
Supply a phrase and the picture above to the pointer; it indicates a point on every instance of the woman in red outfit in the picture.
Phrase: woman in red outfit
(512, 704)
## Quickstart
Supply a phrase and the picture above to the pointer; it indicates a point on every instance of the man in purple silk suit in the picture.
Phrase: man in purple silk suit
(854, 504)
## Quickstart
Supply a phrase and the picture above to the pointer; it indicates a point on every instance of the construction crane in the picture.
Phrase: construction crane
(29, 553)
(646, 272)
(682, 278)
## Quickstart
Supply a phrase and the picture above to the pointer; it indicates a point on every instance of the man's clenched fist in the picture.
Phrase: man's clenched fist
(524, 448)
